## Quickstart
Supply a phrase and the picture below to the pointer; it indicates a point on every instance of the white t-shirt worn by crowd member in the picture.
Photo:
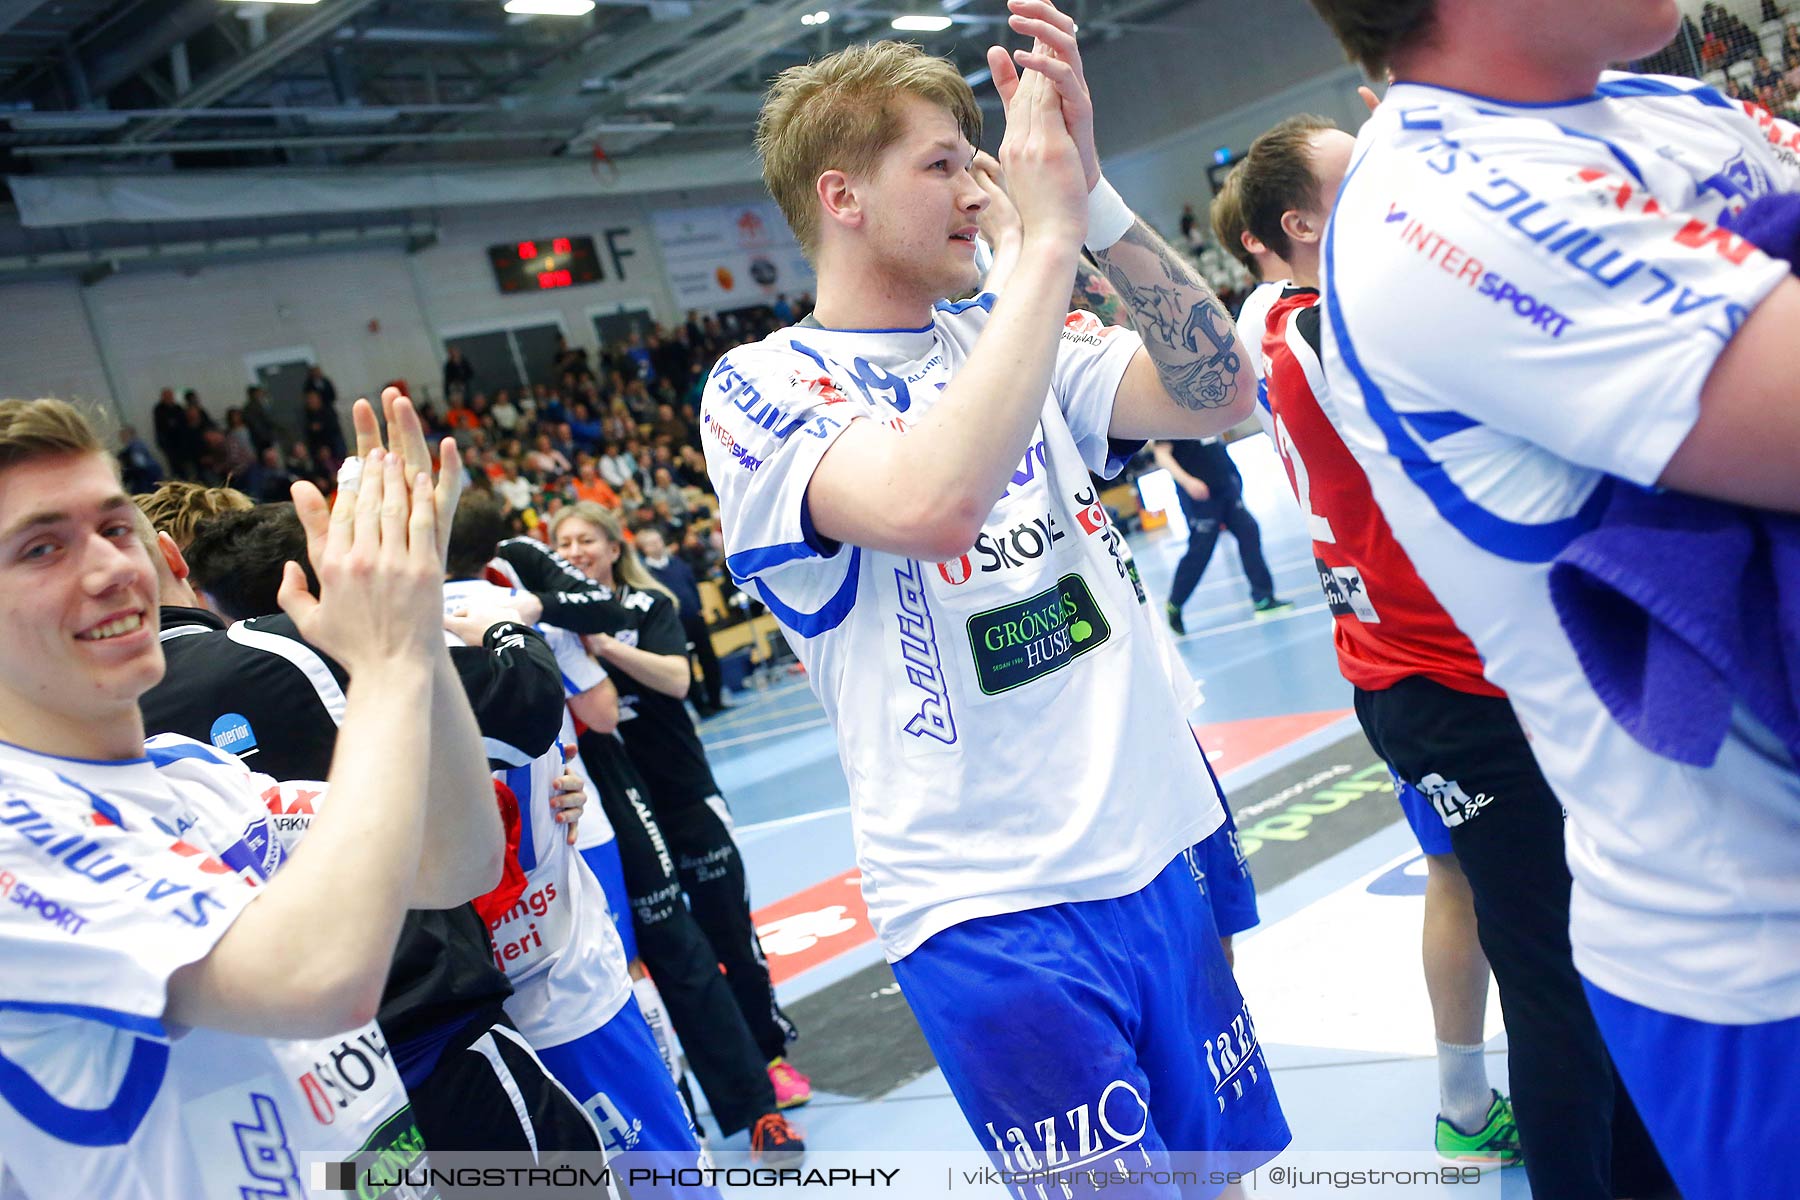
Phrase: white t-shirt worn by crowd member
(1010, 737)
(1520, 301)
(113, 875)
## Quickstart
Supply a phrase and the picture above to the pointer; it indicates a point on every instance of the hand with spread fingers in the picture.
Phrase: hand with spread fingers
(407, 434)
(381, 576)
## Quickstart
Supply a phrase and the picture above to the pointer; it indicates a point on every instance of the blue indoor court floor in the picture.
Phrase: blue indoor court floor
(1331, 974)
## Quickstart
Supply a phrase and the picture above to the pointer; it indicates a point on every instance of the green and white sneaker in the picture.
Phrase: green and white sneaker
(1494, 1145)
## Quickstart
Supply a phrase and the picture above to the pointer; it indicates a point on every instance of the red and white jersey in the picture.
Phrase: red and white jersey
(1389, 626)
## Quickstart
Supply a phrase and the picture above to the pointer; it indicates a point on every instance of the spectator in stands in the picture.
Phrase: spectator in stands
(690, 468)
(460, 419)
(563, 438)
(678, 577)
(324, 433)
(167, 424)
(591, 487)
(616, 466)
(1738, 41)
(784, 312)
(1191, 236)
(1768, 78)
(190, 441)
(641, 460)
(240, 447)
(618, 425)
(668, 356)
(511, 488)
(546, 461)
(138, 468)
(318, 382)
(639, 401)
(696, 384)
(268, 481)
(571, 360)
(459, 374)
(670, 426)
(703, 550)
(265, 431)
(506, 415)
(302, 464)
(639, 356)
(631, 496)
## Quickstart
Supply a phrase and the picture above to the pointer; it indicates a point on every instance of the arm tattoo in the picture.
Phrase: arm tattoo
(1186, 329)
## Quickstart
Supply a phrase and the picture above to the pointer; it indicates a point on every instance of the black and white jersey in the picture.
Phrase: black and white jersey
(258, 690)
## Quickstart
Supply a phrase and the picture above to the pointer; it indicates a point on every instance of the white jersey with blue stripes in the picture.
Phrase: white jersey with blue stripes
(1010, 737)
(557, 944)
(1520, 301)
(112, 876)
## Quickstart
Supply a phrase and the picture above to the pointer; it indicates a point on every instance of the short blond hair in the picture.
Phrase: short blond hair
(838, 114)
(32, 429)
(178, 508)
(1228, 223)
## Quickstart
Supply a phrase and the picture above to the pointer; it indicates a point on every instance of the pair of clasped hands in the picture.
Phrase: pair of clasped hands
(379, 554)
(1047, 165)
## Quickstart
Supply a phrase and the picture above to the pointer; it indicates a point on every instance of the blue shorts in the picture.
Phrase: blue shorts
(1427, 825)
(603, 860)
(1100, 1035)
(1225, 871)
(1225, 878)
(617, 1074)
(1718, 1100)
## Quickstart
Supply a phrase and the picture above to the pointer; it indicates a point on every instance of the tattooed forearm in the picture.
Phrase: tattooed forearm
(1094, 294)
(1186, 330)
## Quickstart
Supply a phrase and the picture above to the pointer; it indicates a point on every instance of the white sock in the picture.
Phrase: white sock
(1463, 1092)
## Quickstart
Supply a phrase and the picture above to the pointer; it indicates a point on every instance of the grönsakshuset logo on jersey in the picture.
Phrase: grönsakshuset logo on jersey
(1019, 643)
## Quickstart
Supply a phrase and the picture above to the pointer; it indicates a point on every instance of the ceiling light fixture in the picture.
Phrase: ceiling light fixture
(922, 24)
(815, 18)
(550, 8)
(277, 1)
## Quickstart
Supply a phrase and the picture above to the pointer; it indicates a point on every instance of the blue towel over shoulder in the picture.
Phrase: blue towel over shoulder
(1679, 608)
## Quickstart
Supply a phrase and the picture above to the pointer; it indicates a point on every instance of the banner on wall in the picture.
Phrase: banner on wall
(727, 256)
